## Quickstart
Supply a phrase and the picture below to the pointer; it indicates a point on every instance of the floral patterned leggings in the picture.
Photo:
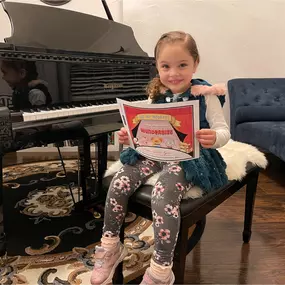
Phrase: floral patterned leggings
(165, 203)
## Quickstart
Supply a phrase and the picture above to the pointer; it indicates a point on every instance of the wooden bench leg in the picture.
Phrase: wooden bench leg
(249, 205)
(197, 234)
(180, 254)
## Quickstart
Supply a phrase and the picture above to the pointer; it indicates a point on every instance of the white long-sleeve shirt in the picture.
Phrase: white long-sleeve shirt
(216, 120)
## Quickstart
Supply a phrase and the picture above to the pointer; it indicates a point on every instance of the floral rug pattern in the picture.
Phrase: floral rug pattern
(48, 243)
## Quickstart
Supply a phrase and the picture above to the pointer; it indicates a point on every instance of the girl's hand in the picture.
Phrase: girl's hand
(123, 136)
(206, 137)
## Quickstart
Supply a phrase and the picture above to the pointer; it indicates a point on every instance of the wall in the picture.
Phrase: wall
(236, 38)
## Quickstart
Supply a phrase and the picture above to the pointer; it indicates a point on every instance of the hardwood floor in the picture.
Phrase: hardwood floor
(221, 257)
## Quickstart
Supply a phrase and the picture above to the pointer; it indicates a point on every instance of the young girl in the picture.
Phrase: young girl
(28, 90)
(177, 59)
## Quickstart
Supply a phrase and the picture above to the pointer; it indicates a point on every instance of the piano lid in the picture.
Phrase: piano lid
(54, 28)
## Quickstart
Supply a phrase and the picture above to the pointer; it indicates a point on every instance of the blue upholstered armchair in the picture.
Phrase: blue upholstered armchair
(258, 113)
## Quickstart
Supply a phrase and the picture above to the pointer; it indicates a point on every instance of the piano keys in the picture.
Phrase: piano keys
(80, 91)
(82, 88)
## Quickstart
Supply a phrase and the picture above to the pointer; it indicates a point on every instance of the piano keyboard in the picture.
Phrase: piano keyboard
(73, 110)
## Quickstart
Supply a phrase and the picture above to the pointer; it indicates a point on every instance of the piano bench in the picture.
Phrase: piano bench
(193, 211)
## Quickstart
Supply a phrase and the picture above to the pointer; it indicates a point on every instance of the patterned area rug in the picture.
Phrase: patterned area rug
(50, 243)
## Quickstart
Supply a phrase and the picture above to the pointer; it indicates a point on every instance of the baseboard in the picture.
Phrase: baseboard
(67, 152)
(65, 149)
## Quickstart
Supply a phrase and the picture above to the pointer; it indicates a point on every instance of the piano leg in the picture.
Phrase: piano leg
(91, 182)
(3, 244)
(84, 171)
(102, 158)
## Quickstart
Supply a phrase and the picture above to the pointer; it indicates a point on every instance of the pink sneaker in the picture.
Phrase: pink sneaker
(105, 264)
(148, 279)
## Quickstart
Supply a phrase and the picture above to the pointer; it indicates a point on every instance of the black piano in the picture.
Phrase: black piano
(85, 62)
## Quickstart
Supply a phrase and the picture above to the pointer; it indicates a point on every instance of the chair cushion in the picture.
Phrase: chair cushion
(260, 113)
(269, 136)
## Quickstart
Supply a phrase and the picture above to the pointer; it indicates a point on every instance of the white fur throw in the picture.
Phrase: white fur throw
(236, 156)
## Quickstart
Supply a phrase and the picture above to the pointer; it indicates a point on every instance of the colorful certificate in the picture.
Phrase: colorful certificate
(162, 132)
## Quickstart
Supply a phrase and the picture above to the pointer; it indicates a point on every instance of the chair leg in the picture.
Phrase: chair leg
(197, 234)
(180, 254)
(249, 205)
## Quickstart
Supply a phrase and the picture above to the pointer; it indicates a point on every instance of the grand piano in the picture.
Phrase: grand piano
(85, 61)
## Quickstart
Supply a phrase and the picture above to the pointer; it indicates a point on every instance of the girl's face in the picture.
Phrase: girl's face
(12, 76)
(176, 67)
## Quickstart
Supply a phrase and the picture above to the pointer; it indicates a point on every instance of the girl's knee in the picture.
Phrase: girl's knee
(165, 196)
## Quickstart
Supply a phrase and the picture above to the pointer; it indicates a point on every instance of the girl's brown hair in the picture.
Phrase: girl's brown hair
(155, 85)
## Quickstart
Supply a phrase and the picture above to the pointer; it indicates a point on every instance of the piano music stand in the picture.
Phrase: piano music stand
(107, 10)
